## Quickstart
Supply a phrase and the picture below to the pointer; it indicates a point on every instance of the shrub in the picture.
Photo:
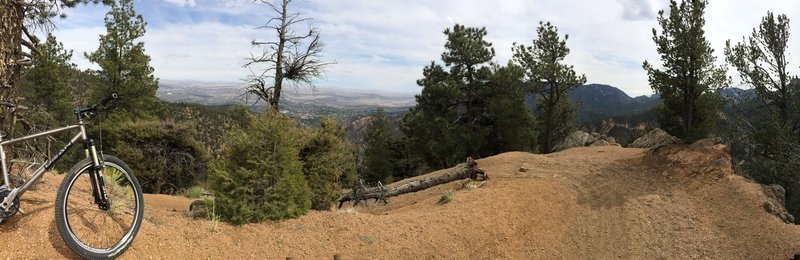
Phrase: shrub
(328, 164)
(259, 175)
(164, 156)
(193, 192)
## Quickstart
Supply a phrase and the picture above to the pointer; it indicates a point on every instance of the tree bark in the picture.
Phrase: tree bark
(10, 51)
(465, 170)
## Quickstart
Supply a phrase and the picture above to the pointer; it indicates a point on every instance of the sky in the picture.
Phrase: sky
(383, 45)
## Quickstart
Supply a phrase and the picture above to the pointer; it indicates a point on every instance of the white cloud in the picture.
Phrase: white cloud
(182, 3)
(386, 44)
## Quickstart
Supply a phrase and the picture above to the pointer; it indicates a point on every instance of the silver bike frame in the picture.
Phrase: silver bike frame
(37, 175)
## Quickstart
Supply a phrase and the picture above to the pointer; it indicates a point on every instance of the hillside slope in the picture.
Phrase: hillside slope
(600, 202)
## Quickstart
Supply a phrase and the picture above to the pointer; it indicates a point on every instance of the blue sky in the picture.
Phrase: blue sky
(384, 44)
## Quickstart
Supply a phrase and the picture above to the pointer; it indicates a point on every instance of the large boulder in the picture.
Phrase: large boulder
(600, 143)
(656, 137)
(574, 139)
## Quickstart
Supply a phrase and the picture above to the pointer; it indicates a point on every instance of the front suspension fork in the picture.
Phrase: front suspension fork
(96, 176)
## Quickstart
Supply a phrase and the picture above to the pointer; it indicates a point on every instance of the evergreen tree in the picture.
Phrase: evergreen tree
(378, 162)
(124, 66)
(46, 83)
(461, 104)
(769, 133)
(762, 64)
(259, 174)
(689, 80)
(329, 164)
(548, 76)
(512, 127)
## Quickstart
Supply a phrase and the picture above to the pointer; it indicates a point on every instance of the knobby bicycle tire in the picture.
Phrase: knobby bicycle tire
(82, 224)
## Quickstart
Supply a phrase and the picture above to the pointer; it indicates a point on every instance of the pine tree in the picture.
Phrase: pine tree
(769, 132)
(761, 60)
(548, 76)
(124, 66)
(378, 162)
(689, 80)
(329, 164)
(47, 83)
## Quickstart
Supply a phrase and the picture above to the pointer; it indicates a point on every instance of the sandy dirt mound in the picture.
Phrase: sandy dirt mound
(601, 202)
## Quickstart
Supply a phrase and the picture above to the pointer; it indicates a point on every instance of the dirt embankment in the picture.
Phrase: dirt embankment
(599, 202)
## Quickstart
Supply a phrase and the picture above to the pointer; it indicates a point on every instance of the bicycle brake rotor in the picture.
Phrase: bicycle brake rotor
(7, 213)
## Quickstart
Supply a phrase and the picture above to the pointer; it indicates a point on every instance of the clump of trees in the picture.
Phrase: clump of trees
(469, 106)
(273, 169)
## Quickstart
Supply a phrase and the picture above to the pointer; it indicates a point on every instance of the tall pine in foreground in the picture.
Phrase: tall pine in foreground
(124, 67)
(462, 102)
(552, 80)
(689, 79)
(769, 133)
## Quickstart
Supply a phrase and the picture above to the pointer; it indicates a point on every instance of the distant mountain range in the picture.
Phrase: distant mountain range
(596, 101)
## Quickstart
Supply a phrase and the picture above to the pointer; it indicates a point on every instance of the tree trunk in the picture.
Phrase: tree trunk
(276, 95)
(10, 51)
(462, 171)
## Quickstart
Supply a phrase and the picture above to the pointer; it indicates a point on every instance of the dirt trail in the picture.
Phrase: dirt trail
(601, 202)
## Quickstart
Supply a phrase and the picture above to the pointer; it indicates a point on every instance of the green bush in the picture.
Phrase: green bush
(259, 175)
(329, 164)
(164, 156)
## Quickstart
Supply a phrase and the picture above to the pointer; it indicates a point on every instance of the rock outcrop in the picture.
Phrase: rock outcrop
(581, 139)
(654, 138)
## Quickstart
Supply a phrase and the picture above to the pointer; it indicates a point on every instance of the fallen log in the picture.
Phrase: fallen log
(467, 170)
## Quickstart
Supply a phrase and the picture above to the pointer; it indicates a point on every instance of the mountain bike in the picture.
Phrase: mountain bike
(99, 205)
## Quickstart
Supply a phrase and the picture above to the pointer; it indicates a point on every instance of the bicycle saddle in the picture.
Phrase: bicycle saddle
(7, 104)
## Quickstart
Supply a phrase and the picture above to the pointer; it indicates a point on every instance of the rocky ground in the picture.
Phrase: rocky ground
(604, 202)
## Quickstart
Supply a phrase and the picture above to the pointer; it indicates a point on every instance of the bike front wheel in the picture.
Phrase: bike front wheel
(92, 231)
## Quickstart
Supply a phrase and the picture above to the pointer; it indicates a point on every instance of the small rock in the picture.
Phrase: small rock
(198, 209)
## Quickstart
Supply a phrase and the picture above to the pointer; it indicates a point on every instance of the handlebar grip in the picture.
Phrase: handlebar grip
(107, 99)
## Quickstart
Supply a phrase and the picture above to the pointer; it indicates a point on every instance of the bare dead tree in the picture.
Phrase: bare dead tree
(295, 57)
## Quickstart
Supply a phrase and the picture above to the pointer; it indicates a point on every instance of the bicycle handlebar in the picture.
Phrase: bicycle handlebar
(88, 111)
(107, 99)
